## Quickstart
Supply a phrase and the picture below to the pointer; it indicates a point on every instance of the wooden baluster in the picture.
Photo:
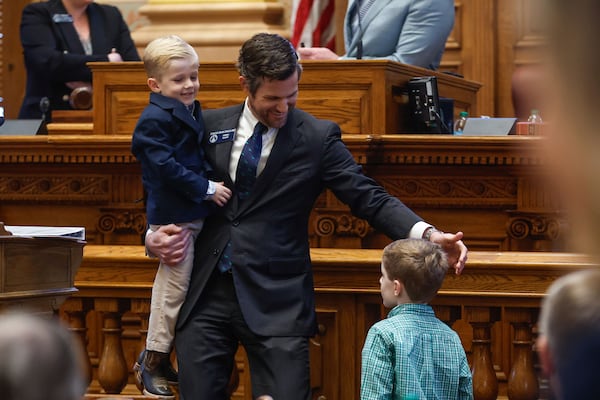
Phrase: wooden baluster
(522, 380)
(76, 310)
(141, 308)
(448, 314)
(485, 382)
(113, 371)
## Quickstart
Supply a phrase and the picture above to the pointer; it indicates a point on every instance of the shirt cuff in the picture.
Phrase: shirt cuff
(148, 253)
(416, 232)
(212, 188)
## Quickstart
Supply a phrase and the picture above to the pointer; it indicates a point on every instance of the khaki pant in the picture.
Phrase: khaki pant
(168, 293)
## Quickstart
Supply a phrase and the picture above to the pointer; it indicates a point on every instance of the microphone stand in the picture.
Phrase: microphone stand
(359, 45)
(44, 106)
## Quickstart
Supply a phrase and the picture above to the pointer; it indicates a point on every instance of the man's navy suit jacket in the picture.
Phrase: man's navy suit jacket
(269, 231)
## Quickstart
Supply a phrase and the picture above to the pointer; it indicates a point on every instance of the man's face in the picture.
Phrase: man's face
(179, 81)
(273, 100)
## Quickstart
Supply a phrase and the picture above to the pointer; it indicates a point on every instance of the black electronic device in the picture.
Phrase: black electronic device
(424, 106)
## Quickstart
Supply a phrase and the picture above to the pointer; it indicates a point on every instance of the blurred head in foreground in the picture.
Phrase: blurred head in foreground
(39, 360)
(572, 90)
(569, 341)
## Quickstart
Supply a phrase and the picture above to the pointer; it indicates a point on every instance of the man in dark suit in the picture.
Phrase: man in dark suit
(59, 37)
(252, 280)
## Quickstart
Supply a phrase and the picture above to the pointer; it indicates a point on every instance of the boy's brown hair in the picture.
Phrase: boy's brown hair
(419, 264)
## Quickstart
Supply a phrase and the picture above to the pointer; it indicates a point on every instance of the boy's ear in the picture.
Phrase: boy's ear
(398, 287)
(153, 85)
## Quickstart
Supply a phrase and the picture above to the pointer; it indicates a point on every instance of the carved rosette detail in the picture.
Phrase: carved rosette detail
(537, 227)
(122, 221)
(341, 225)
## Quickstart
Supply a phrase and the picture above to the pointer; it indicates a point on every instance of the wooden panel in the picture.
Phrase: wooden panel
(37, 273)
(325, 87)
(348, 302)
(491, 188)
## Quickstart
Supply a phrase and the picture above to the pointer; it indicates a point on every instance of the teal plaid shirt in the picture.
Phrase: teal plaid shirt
(413, 355)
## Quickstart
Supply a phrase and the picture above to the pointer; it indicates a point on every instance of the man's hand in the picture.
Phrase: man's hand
(169, 243)
(454, 247)
(316, 53)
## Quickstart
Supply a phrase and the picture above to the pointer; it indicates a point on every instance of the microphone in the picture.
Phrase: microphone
(44, 106)
(359, 45)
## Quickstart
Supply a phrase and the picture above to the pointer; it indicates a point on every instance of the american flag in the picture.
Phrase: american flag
(313, 23)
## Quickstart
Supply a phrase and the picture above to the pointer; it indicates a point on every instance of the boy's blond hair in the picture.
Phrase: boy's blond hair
(419, 264)
(161, 51)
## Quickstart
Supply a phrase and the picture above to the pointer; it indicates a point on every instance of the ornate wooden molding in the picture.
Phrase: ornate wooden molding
(45, 188)
(122, 220)
(495, 192)
(66, 149)
(536, 226)
(468, 151)
(341, 224)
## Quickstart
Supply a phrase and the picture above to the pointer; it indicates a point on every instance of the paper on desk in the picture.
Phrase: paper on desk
(75, 232)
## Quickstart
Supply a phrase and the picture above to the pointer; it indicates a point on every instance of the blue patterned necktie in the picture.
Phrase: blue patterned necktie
(245, 176)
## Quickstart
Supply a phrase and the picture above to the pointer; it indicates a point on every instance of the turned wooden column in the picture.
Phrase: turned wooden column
(113, 371)
(216, 29)
(76, 310)
(485, 382)
(522, 380)
(141, 308)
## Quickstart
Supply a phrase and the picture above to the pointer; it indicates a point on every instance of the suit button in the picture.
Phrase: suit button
(236, 223)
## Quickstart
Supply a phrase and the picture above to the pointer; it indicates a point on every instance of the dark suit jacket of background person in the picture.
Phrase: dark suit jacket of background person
(167, 141)
(54, 55)
(269, 231)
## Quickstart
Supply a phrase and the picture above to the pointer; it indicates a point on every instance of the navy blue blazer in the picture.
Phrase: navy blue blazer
(167, 143)
(269, 230)
(54, 55)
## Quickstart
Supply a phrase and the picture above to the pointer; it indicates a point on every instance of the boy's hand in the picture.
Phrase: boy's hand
(222, 194)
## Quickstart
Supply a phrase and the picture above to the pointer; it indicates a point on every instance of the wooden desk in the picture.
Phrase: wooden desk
(363, 97)
(38, 274)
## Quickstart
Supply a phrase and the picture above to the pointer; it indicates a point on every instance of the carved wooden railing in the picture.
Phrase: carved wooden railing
(493, 306)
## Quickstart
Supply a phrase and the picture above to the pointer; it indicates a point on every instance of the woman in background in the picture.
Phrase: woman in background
(59, 37)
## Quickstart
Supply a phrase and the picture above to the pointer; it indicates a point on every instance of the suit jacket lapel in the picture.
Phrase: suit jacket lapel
(99, 39)
(67, 31)
(220, 153)
(373, 11)
(286, 139)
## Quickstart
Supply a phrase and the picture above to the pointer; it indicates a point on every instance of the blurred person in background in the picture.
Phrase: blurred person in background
(59, 37)
(408, 31)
